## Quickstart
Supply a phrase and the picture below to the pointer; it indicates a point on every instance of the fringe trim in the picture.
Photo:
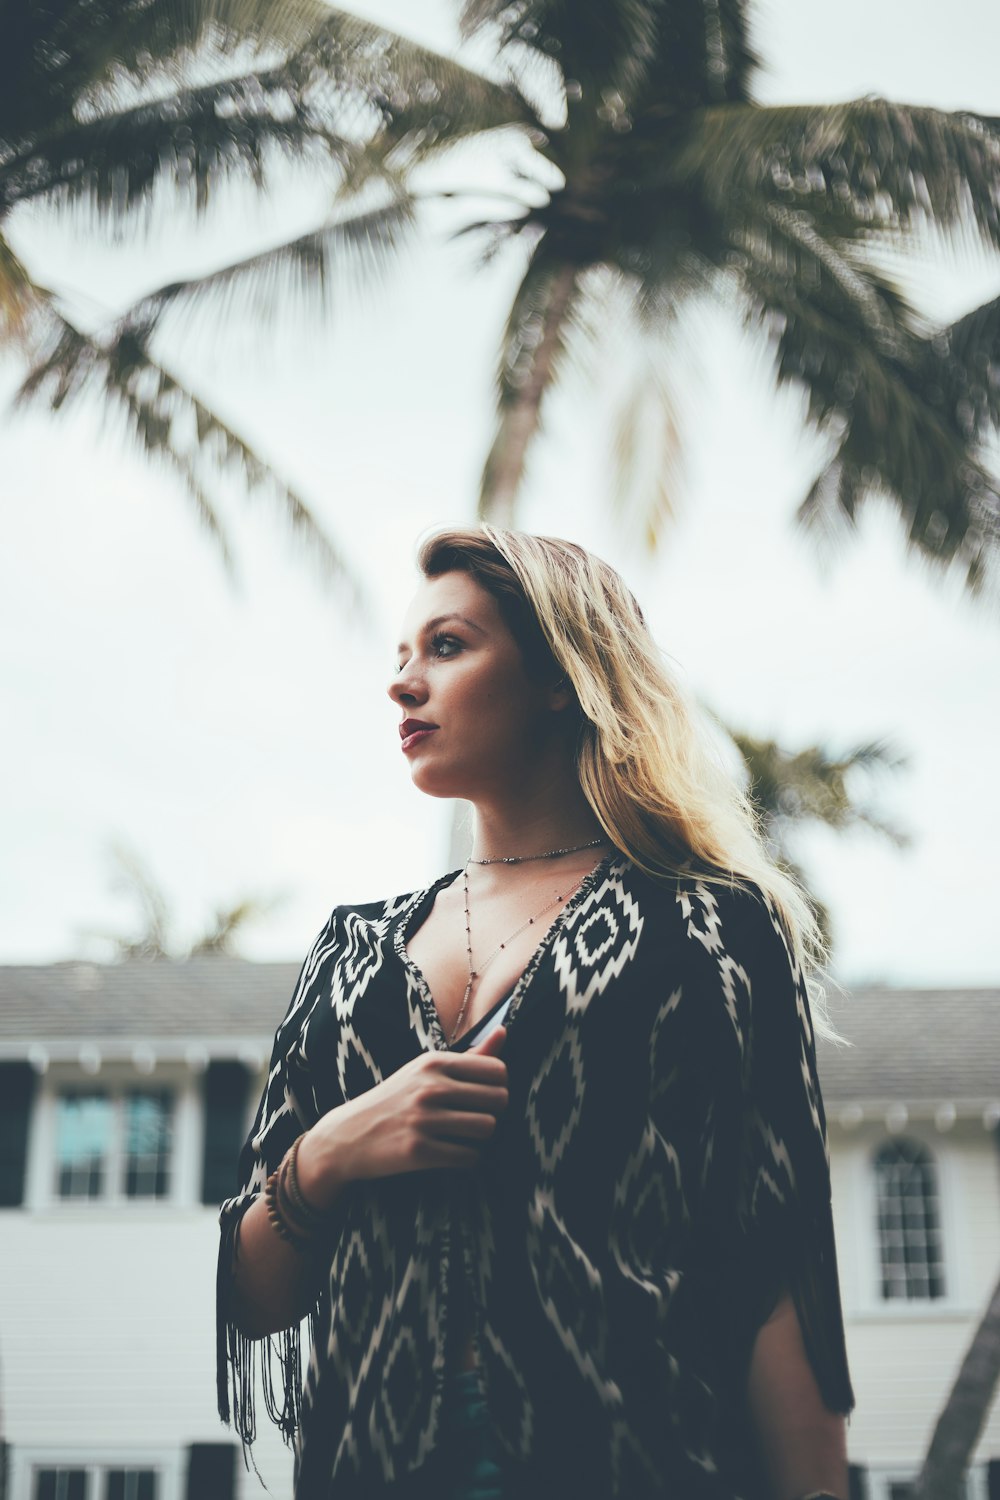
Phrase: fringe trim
(237, 1355)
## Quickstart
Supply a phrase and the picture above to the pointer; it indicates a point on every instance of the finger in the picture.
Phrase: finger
(448, 1124)
(491, 1042)
(474, 1096)
(473, 1065)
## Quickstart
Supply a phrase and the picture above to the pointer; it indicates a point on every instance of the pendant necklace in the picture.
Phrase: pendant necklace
(514, 859)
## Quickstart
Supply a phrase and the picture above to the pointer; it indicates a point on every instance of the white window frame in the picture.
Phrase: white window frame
(864, 1244)
(169, 1464)
(935, 1165)
(116, 1080)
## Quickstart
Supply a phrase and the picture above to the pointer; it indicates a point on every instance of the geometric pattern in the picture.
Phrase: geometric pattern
(660, 1175)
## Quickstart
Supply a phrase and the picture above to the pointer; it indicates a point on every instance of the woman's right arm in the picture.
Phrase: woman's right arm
(437, 1111)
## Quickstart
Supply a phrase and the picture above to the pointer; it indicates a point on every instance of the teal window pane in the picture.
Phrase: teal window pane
(148, 1133)
(83, 1137)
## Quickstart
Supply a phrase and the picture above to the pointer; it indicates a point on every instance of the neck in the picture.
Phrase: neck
(519, 831)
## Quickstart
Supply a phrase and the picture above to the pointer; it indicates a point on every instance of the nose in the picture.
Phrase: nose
(405, 688)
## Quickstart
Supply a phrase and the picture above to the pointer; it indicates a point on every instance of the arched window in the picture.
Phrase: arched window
(909, 1221)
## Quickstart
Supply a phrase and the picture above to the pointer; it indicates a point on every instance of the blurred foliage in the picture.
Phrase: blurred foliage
(154, 935)
(792, 788)
(654, 180)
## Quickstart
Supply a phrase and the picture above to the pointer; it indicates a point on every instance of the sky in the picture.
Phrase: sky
(238, 736)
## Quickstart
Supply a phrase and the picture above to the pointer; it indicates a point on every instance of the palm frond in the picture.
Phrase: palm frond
(352, 65)
(361, 246)
(195, 139)
(351, 85)
(692, 51)
(176, 429)
(61, 52)
(973, 344)
(876, 163)
(887, 393)
(647, 455)
(228, 925)
(790, 788)
(533, 347)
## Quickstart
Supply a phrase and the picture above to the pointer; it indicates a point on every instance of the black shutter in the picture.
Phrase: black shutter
(17, 1089)
(211, 1471)
(857, 1485)
(226, 1087)
(993, 1479)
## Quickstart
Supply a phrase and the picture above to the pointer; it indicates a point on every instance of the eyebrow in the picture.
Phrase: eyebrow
(440, 620)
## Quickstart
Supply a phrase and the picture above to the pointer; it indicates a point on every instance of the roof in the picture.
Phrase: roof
(917, 1045)
(909, 1045)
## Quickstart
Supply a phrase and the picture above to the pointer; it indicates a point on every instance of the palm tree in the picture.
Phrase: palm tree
(791, 789)
(964, 1415)
(105, 106)
(651, 179)
(154, 936)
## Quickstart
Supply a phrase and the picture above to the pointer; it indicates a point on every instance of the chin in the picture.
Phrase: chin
(437, 783)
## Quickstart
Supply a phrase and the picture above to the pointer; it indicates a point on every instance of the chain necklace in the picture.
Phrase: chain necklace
(521, 859)
(510, 860)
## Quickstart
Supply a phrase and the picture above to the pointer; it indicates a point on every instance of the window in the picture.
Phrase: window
(83, 1142)
(147, 1154)
(130, 1484)
(60, 1484)
(112, 1145)
(93, 1483)
(909, 1221)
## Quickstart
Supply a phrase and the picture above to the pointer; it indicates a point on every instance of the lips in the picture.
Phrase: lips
(413, 731)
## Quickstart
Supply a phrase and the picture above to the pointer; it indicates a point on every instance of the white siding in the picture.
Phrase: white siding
(904, 1356)
(108, 1322)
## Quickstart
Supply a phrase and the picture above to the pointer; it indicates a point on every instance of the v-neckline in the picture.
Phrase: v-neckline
(410, 911)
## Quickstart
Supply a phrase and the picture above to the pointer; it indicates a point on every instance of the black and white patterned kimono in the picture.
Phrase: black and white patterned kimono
(659, 1178)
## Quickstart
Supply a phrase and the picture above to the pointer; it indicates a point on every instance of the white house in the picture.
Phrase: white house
(126, 1091)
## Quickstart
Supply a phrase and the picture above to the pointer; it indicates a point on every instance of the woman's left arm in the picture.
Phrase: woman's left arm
(803, 1444)
(781, 1284)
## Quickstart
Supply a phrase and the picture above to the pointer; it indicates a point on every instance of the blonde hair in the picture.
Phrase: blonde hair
(646, 757)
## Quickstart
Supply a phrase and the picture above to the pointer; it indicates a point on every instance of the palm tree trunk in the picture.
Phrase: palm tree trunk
(519, 419)
(964, 1413)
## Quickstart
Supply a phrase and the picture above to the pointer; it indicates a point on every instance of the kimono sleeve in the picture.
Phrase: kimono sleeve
(784, 1236)
(279, 1119)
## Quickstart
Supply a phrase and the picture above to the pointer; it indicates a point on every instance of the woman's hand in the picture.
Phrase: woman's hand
(438, 1110)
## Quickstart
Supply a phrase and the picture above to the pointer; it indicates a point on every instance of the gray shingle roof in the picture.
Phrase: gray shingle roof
(909, 1045)
(913, 1045)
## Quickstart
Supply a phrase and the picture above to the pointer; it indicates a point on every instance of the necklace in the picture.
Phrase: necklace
(515, 859)
(521, 859)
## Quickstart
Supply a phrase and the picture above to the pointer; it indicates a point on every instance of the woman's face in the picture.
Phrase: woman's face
(461, 670)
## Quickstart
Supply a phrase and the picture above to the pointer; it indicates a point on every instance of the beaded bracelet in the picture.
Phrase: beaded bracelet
(279, 1222)
(305, 1212)
(292, 1217)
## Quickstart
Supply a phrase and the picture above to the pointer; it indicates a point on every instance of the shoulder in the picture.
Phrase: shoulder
(382, 909)
(733, 925)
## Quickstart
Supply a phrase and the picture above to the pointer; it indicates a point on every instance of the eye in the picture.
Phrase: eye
(440, 640)
(436, 642)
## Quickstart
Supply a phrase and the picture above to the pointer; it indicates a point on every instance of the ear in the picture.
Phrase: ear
(561, 694)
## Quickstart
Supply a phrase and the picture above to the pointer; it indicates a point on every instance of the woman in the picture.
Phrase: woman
(542, 1150)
